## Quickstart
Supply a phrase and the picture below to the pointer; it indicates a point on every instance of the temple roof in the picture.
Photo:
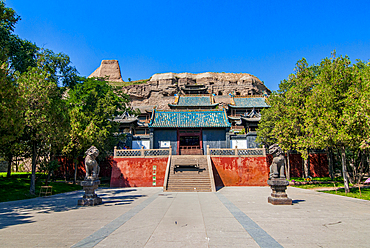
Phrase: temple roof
(194, 101)
(249, 102)
(189, 119)
(254, 119)
(125, 118)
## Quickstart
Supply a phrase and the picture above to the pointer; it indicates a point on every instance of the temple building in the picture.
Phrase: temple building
(189, 131)
(201, 101)
(195, 120)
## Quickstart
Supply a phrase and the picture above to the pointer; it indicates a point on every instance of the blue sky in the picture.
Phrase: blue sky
(263, 38)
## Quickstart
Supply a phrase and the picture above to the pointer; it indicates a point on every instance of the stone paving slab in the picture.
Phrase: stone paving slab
(147, 217)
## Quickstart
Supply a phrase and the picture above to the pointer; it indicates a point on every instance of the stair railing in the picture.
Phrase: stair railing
(210, 170)
(165, 183)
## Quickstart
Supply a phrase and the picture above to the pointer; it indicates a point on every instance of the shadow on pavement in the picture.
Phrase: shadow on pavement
(297, 201)
(21, 212)
(121, 200)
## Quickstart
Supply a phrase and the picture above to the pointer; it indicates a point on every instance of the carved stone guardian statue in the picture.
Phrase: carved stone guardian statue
(277, 180)
(91, 182)
(91, 166)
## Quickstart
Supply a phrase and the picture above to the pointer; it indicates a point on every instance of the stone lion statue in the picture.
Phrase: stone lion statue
(92, 167)
(278, 162)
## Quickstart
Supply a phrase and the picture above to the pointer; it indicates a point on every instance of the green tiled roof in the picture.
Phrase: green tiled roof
(249, 102)
(194, 101)
(189, 119)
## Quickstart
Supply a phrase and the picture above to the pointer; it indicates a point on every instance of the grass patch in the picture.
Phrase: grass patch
(18, 185)
(316, 179)
(320, 185)
(365, 193)
(326, 182)
(316, 182)
(18, 174)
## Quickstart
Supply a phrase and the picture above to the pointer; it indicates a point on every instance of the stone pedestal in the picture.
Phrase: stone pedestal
(278, 195)
(90, 198)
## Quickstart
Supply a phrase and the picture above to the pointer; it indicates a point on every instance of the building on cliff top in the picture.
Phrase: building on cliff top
(189, 111)
(195, 121)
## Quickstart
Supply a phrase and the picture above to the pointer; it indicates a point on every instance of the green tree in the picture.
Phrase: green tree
(44, 113)
(19, 54)
(269, 117)
(285, 121)
(58, 65)
(11, 123)
(332, 108)
(92, 107)
(15, 54)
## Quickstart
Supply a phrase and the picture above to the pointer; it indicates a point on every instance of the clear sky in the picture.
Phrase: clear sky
(263, 38)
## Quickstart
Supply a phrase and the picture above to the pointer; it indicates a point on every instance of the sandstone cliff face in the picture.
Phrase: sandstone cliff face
(160, 89)
(108, 68)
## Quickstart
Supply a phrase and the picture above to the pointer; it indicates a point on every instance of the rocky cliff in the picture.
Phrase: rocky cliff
(110, 69)
(160, 89)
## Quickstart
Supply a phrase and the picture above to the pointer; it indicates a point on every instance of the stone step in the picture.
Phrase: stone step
(193, 178)
(189, 190)
(186, 161)
(189, 185)
(188, 179)
(192, 173)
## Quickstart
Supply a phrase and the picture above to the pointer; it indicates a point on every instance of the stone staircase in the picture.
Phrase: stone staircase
(189, 173)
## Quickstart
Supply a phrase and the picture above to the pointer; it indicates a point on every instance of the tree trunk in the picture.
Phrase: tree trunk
(288, 167)
(362, 166)
(306, 166)
(33, 176)
(331, 163)
(344, 170)
(10, 160)
(76, 165)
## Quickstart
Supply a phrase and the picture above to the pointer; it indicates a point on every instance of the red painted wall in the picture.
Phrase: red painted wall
(318, 165)
(138, 172)
(240, 171)
(67, 169)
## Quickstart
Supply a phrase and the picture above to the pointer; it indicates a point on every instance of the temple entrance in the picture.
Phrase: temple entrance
(189, 142)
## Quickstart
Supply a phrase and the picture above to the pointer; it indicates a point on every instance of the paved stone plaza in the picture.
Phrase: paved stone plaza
(148, 217)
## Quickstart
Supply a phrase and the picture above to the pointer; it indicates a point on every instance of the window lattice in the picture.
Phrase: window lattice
(236, 152)
(223, 152)
(128, 153)
(161, 152)
(244, 152)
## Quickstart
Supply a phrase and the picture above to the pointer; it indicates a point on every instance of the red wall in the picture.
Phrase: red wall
(240, 171)
(318, 165)
(66, 169)
(138, 172)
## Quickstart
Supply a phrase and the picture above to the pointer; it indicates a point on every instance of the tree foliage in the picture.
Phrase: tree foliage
(323, 106)
(19, 54)
(58, 65)
(92, 106)
(44, 113)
